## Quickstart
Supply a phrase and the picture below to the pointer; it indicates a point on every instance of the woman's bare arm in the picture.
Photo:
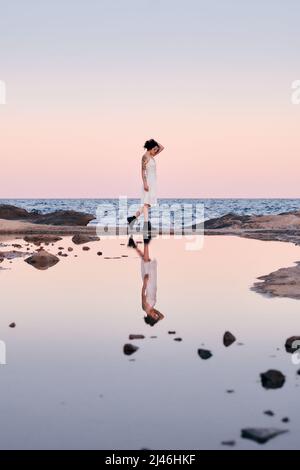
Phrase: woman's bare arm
(160, 149)
(144, 178)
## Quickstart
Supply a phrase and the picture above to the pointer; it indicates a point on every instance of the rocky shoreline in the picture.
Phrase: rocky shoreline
(284, 227)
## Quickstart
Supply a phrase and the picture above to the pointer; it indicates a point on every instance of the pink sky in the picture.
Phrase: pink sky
(84, 95)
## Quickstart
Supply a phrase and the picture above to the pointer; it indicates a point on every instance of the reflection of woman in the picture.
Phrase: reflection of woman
(149, 287)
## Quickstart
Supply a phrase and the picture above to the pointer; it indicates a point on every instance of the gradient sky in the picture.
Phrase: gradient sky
(89, 81)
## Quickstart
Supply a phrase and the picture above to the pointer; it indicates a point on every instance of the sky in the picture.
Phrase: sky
(88, 82)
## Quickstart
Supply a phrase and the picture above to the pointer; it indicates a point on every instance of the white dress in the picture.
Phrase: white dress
(150, 268)
(149, 197)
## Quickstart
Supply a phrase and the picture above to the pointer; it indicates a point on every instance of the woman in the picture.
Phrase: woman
(149, 197)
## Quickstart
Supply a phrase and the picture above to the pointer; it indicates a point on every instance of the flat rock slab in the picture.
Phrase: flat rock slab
(42, 260)
(261, 435)
(285, 282)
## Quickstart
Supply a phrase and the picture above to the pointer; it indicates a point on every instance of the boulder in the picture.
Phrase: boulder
(228, 338)
(80, 238)
(42, 260)
(272, 379)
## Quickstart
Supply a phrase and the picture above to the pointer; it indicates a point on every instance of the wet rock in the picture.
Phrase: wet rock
(272, 379)
(269, 413)
(99, 253)
(177, 339)
(42, 260)
(132, 336)
(230, 391)
(285, 419)
(204, 353)
(285, 282)
(42, 238)
(292, 344)
(60, 217)
(80, 238)
(228, 443)
(86, 248)
(261, 435)
(298, 372)
(16, 245)
(70, 248)
(172, 332)
(129, 349)
(61, 248)
(12, 325)
(228, 338)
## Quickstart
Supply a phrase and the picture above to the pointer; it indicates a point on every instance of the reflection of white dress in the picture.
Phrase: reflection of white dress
(150, 268)
(149, 197)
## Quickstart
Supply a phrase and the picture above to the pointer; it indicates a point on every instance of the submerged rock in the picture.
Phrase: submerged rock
(132, 336)
(80, 238)
(228, 338)
(42, 260)
(204, 353)
(261, 435)
(129, 349)
(272, 379)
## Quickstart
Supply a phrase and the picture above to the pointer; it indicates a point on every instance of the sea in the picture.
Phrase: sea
(113, 211)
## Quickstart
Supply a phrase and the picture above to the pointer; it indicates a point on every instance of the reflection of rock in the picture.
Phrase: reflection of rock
(42, 260)
(261, 435)
(204, 353)
(80, 238)
(228, 338)
(129, 349)
(60, 217)
(42, 238)
(11, 254)
(285, 282)
(272, 379)
(292, 344)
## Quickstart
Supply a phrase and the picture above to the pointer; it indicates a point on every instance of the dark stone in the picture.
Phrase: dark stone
(269, 413)
(41, 238)
(228, 338)
(272, 379)
(177, 339)
(204, 353)
(285, 419)
(292, 344)
(129, 349)
(228, 443)
(261, 435)
(172, 332)
(12, 325)
(99, 253)
(42, 260)
(86, 248)
(81, 238)
(132, 336)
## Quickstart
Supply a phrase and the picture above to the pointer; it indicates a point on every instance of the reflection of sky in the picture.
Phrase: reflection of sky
(89, 82)
(73, 320)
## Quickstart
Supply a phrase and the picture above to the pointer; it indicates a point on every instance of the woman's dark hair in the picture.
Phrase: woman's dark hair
(150, 144)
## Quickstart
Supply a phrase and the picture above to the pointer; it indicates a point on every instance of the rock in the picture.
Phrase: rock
(70, 248)
(99, 253)
(228, 220)
(129, 349)
(42, 238)
(230, 391)
(42, 260)
(16, 245)
(228, 443)
(269, 413)
(172, 332)
(292, 344)
(60, 217)
(204, 353)
(285, 419)
(228, 338)
(86, 248)
(298, 372)
(177, 339)
(272, 379)
(132, 336)
(285, 282)
(80, 238)
(261, 435)
(12, 325)
(61, 248)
